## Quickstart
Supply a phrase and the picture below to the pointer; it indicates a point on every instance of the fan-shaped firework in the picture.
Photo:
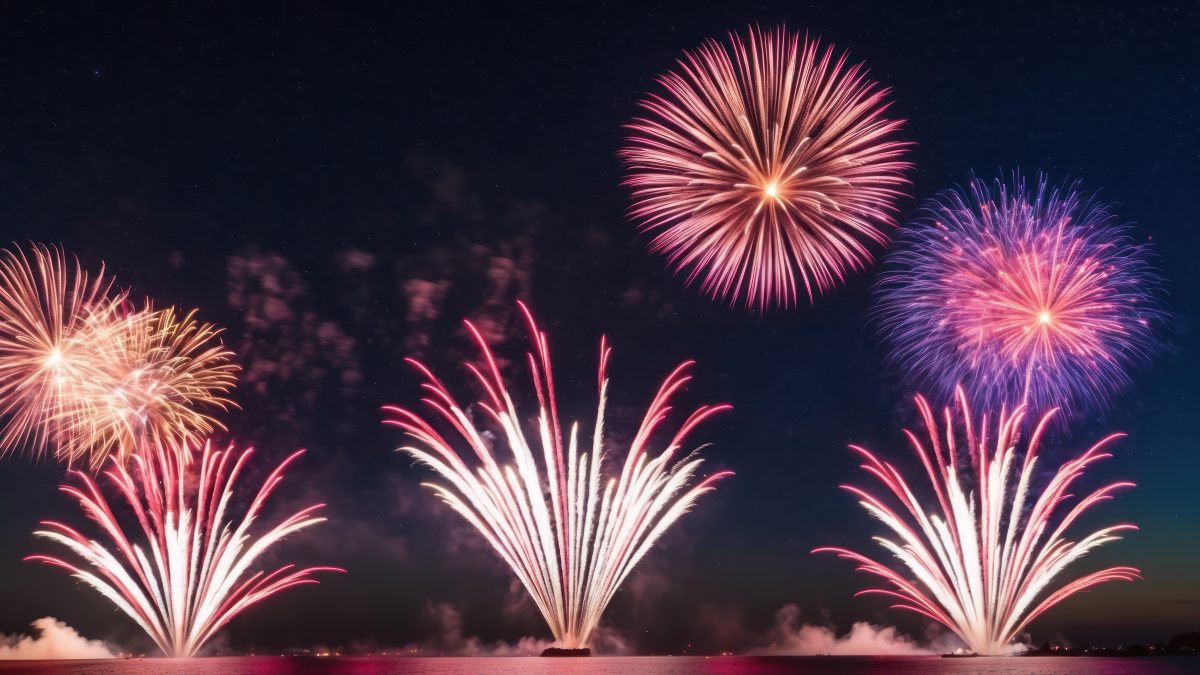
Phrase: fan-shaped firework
(1035, 297)
(82, 375)
(192, 573)
(570, 540)
(764, 167)
(51, 314)
(985, 560)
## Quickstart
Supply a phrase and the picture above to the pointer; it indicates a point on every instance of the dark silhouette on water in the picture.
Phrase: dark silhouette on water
(557, 651)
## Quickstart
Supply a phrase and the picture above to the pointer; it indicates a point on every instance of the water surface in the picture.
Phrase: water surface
(668, 665)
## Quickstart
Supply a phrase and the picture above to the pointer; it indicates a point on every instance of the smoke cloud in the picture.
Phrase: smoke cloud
(450, 641)
(54, 640)
(790, 637)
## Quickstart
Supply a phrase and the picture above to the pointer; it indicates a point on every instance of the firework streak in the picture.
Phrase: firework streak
(985, 561)
(568, 538)
(195, 574)
(765, 167)
(1021, 296)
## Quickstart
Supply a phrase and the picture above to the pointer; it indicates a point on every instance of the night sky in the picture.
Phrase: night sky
(338, 188)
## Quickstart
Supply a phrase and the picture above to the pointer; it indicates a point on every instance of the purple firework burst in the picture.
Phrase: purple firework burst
(1034, 296)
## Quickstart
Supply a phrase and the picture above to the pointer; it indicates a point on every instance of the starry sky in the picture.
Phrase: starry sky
(340, 187)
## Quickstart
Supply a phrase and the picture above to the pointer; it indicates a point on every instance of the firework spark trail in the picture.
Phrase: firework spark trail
(765, 167)
(193, 579)
(84, 376)
(1034, 297)
(572, 549)
(986, 558)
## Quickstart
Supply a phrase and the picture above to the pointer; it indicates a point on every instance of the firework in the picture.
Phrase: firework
(569, 533)
(159, 375)
(51, 311)
(84, 376)
(764, 167)
(191, 575)
(987, 559)
(1036, 297)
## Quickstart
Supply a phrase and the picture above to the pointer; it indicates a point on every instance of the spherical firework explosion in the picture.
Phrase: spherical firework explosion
(1026, 297)
(194, 577)
(764, 167)
(986, 560)
(160, 373)
(50, 311)
(569, 539)
(86, 377)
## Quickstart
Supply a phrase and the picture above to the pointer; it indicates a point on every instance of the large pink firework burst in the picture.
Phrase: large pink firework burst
(1021, 296)
(765, 167)
(191, 572)
(987, 558)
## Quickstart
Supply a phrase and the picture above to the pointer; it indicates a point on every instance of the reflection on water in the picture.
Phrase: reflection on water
(668, 665)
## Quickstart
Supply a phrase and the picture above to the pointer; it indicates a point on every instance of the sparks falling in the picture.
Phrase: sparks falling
(191, 574)
(1021, 296)
(569, 533)
(86, 378)
(987, 559)
(765, 167)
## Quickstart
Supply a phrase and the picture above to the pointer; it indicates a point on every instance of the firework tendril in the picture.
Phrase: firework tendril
(986, 561)
(568, 532)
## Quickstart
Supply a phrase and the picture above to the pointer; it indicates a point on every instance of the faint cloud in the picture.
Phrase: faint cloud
(449, 190)
(355, 260)
(291, 354)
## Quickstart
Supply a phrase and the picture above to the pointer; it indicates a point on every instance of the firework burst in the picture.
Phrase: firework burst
(50, 313)
(986, 561)
(569, 534)
(160, 375)
(85, 377)
(765, 167)
(191, 576)
(1036, 297)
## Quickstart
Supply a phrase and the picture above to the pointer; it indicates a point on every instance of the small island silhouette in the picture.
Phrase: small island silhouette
(558, 651)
